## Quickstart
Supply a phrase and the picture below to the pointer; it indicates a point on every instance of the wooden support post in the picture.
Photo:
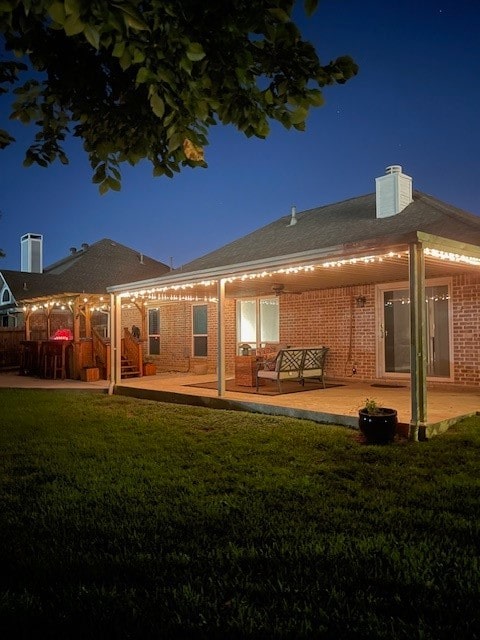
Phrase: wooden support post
(77, 364)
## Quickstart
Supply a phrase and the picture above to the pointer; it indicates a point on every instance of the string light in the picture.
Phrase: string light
(452, 257)
(178, 292)
(364, 259)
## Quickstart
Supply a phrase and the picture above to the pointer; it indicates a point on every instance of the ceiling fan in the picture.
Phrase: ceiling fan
(279, 289)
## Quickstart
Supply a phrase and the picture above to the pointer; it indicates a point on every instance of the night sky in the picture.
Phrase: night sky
(415, 102)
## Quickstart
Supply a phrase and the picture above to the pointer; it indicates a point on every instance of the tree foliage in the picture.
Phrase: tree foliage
(139, 79)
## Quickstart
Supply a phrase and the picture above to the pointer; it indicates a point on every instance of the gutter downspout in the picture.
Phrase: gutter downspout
(418, 342)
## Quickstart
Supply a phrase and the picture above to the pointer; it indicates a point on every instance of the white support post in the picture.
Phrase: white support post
(418, 341)
(115, 341)
(111, 331)
(221, 336)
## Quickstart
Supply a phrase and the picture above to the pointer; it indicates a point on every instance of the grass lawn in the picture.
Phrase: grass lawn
(122, 518)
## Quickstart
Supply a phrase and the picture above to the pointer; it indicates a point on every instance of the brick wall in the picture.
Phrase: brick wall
(466, 329)
(330, 317)
(327, 317)
(176, 339)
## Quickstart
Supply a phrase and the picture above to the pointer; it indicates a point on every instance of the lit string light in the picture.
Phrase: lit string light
(178, 292)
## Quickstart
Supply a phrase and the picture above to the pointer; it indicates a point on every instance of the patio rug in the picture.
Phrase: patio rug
(288, 386)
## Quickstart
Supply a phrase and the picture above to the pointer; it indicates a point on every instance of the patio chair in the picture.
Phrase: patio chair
(288, 366)
(314, 364)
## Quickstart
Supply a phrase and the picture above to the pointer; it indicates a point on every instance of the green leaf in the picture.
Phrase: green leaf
(104, 187)
(99, 175)
(144, 75)
(125, 60)
(131, 16)
(5, 139)
(279, 14)
(195, 52)
(135, 23)
(158, 105)
(72, 7)
(158, 171)
(57, 12)
(92, 35)
(298, 116)
(113, 183)
(315, 98)
(175, 141)
(118, 49)
(73, 25)
(138, 56)
(186, 65)
(263, 129)
(268, 96)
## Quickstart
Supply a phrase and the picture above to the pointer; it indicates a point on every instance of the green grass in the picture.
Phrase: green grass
(122, 518)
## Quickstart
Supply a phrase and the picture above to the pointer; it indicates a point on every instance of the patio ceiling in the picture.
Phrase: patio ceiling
(296, 278)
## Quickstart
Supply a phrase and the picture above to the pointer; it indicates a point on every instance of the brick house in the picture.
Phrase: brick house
(69, 296)
(389, 281)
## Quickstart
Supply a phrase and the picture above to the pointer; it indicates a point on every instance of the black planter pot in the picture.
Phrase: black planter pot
(378, 428)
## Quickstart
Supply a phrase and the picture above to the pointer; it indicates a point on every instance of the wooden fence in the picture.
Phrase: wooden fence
(10, 347)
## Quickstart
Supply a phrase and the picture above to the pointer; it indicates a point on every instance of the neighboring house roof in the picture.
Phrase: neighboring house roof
(89, 270)
(343, 223)
(24, 285)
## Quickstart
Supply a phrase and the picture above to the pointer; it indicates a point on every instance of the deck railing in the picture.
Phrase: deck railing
(132, 350)
(101, 353)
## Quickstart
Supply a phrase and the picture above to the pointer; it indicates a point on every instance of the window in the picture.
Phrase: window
(154, 332)
(258, 321)
(6, 295)
(200, 330)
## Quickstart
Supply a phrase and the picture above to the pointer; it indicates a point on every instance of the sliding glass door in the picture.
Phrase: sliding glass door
(394, 334)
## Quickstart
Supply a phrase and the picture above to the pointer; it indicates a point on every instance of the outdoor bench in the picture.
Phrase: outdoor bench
(295, 364)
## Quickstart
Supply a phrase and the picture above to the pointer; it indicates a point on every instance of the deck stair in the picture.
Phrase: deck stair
(129, 370)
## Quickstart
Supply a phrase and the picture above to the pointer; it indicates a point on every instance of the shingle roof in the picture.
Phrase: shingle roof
(24, 285)
(89, 270)
(343, 223)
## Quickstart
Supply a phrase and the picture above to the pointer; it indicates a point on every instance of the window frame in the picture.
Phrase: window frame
(153, 335)
(195, 336)
(258, 324)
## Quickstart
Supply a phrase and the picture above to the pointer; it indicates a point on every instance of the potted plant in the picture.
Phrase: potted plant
(149, 367)
(378, 424)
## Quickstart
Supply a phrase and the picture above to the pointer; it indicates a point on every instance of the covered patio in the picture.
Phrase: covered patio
(354, 271)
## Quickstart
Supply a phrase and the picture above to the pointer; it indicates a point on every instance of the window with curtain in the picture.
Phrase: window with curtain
(200, 330)
(154, 332)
